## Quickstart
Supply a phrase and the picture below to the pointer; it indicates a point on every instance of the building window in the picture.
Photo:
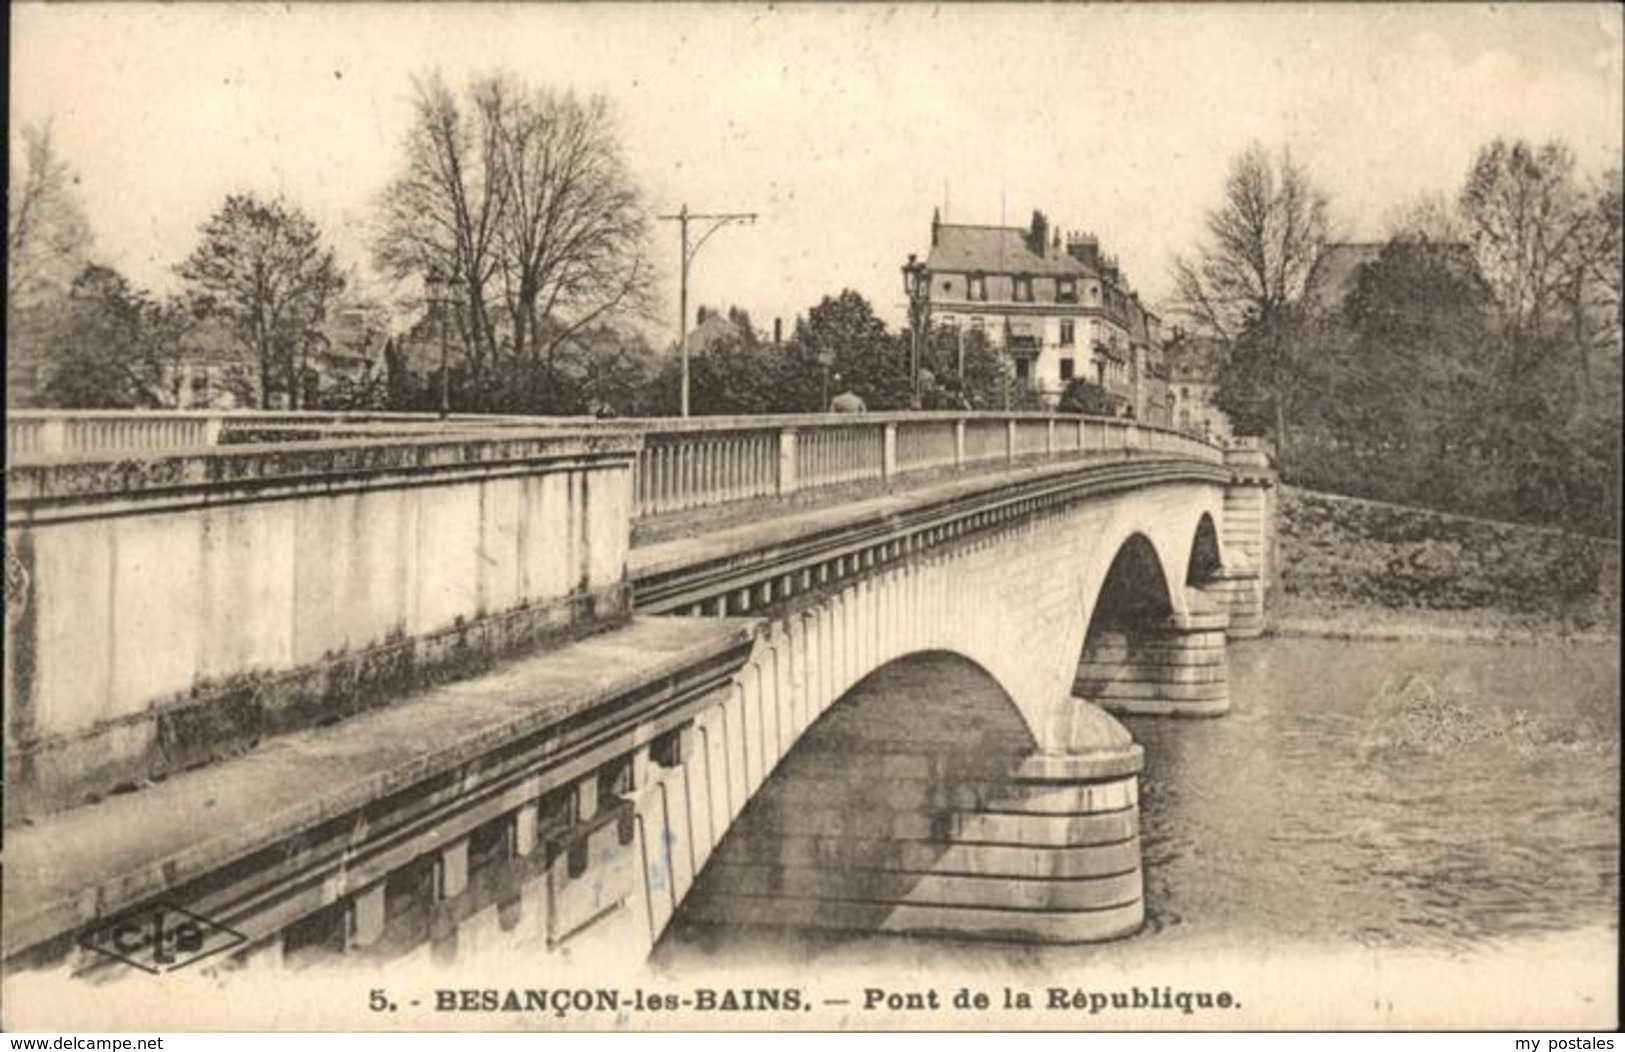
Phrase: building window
(949, 322)
(1068, 334)
(1066, 290)
(1067, 370)
(1024, 288)
(976, 323)
(976, 287)
(1024, 371)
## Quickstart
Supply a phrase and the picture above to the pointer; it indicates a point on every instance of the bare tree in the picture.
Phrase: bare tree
(1430, 217)
(522, 195)
(1527, 219)
(1262, 242)
(573, 236)
(262, 267)
(1549, 248)
(1247, 279)
(48, 238)
(443, 211)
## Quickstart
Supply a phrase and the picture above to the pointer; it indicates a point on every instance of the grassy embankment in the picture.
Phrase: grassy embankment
(1365, 569)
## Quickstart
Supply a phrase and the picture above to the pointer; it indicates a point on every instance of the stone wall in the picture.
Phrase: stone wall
(1345, 551)
(177, 608)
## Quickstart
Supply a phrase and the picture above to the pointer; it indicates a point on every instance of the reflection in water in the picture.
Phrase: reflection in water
(1421, 796)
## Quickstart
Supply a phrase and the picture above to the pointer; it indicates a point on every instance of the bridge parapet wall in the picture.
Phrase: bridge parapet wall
(684, 464)
(177, 608)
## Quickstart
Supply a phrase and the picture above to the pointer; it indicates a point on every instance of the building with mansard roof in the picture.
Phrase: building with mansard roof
(1057, 307)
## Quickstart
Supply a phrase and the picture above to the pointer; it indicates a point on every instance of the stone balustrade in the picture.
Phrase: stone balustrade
(709, 461)
(32, 432)
(684, 464)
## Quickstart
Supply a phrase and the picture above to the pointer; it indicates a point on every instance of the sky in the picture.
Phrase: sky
(842, 126)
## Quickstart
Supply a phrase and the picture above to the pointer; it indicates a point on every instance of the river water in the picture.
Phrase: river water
(1399, 802)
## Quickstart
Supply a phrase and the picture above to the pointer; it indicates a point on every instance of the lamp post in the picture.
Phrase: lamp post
(917, 286)
(718, 220)
(437, 287)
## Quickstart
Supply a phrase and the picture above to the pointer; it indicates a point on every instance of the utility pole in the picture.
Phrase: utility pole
(718, 220)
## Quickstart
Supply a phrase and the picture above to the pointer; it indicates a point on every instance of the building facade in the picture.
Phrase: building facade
(1193, 364)
(1056, 307)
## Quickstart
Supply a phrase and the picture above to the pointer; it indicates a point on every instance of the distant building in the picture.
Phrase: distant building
(713, 327)
(211, 369)
(1335, 273)
(1193, 364)
(1059, 309)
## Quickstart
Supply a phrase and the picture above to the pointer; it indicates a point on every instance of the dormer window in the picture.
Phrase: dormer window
(1024, 288)
(976, 287)
(1066, 290)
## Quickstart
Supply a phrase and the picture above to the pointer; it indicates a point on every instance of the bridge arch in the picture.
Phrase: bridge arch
(909, 806)
(1015, 600)
(1154, 646)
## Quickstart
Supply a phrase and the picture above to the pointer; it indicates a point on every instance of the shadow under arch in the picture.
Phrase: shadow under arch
(1135, 592)
(898, 811)
(1206, 562)
(1139, 656)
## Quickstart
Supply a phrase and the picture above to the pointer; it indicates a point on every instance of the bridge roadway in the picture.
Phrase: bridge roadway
(564, 801)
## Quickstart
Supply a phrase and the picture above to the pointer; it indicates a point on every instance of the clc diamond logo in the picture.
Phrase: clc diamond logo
(160, 938)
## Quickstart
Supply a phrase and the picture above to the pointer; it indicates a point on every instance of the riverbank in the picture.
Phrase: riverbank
(1358, 569)
(1300, 617)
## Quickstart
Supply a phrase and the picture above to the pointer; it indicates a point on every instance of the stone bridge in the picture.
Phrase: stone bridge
(390, 688)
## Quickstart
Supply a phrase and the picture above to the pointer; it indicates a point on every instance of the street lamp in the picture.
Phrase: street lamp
(438, 288)
(917, 286)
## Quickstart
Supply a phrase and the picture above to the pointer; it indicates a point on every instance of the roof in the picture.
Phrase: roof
(996, 250)
(1335, 272)
(714, 329)
(1337, 269)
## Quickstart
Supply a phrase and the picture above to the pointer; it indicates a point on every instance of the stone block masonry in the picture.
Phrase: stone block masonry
(1175, 667)
(916, 808)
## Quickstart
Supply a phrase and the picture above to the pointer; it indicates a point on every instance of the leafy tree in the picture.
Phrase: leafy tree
(871, 362)
(105, 345)
(1246, 282)
(261, 266)
(735, 373)
(1087, 397)
(987, 381)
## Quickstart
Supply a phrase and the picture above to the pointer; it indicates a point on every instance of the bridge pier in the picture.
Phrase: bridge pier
(1174, 667)
(1249, 536)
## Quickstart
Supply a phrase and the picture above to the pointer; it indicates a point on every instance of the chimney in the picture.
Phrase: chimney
(1038, 236)
(936, 221)
(778, 331)
(1084, 248)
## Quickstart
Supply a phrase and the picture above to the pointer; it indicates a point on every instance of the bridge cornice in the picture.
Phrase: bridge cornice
(681, 574)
